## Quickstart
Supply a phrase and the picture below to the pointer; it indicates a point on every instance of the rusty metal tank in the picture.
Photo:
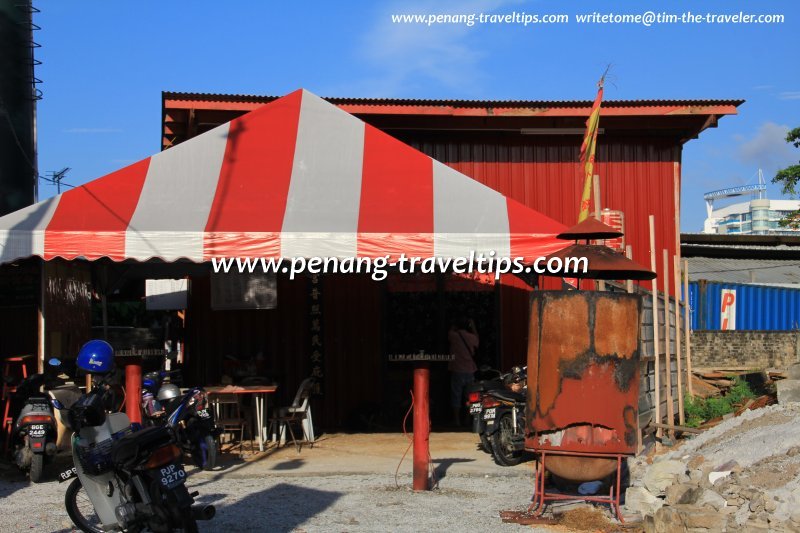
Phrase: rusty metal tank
(583, 380)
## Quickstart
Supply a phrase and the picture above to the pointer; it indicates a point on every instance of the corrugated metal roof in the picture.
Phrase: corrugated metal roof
(740, 241)
(759, 271)
(778, 248)
(219, 97)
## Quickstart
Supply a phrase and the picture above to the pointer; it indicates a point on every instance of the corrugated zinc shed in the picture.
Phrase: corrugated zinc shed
(762, 271)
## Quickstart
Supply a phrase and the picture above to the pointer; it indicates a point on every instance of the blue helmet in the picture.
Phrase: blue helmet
(96, 357)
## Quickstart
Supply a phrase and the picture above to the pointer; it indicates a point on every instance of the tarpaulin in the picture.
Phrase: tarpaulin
(296, 177)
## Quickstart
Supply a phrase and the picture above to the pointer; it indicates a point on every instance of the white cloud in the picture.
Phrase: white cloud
(789, 95)
(767, 148)
(405, 54)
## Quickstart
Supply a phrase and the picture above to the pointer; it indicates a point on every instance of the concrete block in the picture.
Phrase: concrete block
(788, 391)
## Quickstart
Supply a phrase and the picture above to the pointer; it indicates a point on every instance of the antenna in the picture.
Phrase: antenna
(57, 175)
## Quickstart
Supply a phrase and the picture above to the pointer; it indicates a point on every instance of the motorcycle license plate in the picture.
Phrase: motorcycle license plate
(489, 414)
(475, 408)
(171, 476)
(36, 431)
(67, 475)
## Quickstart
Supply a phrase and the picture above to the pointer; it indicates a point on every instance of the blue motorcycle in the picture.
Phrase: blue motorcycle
(189, 414)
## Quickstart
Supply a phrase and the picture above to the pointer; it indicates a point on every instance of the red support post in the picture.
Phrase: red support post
(133, 390)
(422, 426)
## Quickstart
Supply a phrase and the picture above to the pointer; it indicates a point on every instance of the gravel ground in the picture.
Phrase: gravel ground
(344, 483)
(355, 502)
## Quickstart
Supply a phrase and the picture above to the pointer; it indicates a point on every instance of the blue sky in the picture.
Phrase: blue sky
(106, 63)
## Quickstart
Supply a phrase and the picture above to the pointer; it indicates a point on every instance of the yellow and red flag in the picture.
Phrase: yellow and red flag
(588, 150)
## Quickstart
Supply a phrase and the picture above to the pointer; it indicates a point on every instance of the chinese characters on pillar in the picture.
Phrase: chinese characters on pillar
(315, 332)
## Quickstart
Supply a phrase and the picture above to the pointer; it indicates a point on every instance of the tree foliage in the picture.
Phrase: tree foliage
(789, 178)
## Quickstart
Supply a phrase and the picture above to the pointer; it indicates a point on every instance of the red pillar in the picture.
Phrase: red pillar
(133, 390)
(422, 426)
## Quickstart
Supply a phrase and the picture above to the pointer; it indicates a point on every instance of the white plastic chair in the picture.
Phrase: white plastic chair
(299, 411)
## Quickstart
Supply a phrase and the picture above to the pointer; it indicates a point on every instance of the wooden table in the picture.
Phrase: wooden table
(259, 393)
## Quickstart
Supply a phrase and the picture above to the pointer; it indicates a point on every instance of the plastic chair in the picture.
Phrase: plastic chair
(230, 417)
(299, 411)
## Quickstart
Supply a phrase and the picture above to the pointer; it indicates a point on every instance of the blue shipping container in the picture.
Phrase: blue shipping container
(758, 307)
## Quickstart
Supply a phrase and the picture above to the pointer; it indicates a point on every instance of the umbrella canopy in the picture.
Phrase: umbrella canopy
(296, 177)
(604, 263)
(590, 229)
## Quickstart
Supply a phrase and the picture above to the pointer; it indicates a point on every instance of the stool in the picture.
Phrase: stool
(15, 370)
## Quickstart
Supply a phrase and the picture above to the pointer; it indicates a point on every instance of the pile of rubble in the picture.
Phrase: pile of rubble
(741, 474)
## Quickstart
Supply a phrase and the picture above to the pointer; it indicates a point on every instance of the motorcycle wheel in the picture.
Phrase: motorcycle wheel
(189, 524)
(486, 444)
(37, 467)
(208, 449)
(80, 508)
(503, 445)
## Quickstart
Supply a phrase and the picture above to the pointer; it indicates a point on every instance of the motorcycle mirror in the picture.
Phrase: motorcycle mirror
(54, 362)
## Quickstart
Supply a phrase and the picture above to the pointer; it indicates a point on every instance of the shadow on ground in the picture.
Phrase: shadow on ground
(283, 507)
(442, 465)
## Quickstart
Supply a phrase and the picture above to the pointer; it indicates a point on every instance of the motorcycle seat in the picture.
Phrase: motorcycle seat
(508, 395)
(485, 385)
(38, 400)
(135, 446)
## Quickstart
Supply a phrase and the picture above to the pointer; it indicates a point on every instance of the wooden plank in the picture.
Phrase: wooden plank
(654, 291)
(676, 266)
(629, 255)
(667, 355)
(683, 429)
(687, 311)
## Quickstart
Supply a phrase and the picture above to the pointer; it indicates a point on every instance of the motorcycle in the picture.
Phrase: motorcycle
(503, 412)
(124, 478)
(189, 415)
(34, 432)
(487, 379)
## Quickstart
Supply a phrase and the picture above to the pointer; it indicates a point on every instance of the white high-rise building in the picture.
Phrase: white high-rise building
(756, 217)
(759, 216)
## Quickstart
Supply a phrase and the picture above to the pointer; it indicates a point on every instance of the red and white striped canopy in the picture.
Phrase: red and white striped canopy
(296, 177)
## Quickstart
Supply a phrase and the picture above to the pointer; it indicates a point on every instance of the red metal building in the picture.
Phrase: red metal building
(526, 150)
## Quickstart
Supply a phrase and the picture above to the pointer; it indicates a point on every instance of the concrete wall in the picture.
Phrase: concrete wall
(756, 349)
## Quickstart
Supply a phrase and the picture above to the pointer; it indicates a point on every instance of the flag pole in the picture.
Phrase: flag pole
(588, 148)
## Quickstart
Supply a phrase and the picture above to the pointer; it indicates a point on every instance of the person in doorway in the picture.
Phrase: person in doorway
(463, 339)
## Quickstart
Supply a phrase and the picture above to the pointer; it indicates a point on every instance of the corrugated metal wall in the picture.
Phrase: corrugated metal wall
(354, 360)
(19, 310)
(636, 177)
(758, 307)
(281, 335)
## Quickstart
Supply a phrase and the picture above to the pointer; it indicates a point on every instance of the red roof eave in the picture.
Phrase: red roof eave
(540, 109)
